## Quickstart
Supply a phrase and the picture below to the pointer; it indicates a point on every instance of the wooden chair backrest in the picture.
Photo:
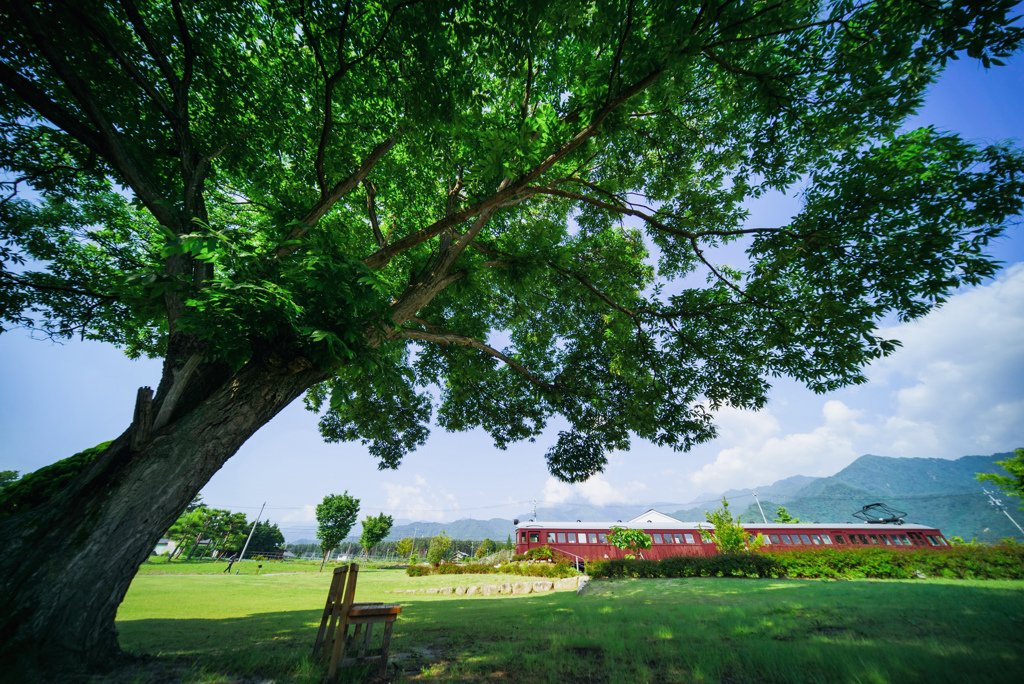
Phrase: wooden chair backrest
(339, 602)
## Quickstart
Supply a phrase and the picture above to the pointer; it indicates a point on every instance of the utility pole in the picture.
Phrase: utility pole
(242, 555)
(535, 509)
(999, 505)
(759, 507)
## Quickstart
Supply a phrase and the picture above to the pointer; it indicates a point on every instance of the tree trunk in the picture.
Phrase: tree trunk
(68, 562)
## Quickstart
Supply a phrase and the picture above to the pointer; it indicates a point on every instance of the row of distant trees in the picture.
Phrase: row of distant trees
(202, 531)
(404, 548)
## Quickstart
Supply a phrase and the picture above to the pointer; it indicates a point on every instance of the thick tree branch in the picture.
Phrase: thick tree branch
(111, 147)
(446, 337)
(147, 39)
(514, 188)
(126, 63)
(337, 192)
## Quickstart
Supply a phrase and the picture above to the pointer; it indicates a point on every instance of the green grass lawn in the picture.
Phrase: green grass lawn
(226, 628)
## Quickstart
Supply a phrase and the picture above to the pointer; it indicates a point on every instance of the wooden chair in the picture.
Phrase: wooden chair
(341, 612)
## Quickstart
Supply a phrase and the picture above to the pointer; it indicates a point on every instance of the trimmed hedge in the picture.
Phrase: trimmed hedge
(552, 570)
(731, 565)
(1002, 561)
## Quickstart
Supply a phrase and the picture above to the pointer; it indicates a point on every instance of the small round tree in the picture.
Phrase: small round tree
(335, 517)
(627, 539)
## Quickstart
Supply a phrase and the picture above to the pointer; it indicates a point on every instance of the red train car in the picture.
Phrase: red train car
(580, 541)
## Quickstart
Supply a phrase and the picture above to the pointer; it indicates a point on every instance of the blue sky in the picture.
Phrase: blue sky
(955, 388)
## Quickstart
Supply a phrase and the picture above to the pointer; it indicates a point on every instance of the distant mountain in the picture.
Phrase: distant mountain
(932, 491)
(497, 529)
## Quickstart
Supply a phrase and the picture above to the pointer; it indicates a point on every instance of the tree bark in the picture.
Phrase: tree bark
(68, 563)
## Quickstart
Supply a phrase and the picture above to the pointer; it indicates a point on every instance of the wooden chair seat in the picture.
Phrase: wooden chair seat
(340, 613)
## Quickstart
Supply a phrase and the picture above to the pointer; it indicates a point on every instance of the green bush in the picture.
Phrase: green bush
(723, 565)
(539, 553)
(1002, 561)
(553, 570)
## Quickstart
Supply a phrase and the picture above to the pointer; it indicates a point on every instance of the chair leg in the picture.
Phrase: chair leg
(366, 640)
(385, 647)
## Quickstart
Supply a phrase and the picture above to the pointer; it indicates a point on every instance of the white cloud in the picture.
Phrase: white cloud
(304, 515)
(597, 491)
(962, 374)
(421, 501)
(956, 387)
(761, 456)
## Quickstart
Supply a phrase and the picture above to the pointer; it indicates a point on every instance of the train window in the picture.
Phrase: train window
(656, 539)
(816, 539)
(805, 538)
(942, 541)
(839, 539)
(592, 537)
(583, 537)
(785, 539)
(774, 538)
(903, 538)
(561, 537)
(534, 537)
(571, 537)
(602, 537)
(522, 537)
(689, 537)
(551, 537)
(931, 540)
(885, 538)
(678, 538)
(825, 538)
(873, 538)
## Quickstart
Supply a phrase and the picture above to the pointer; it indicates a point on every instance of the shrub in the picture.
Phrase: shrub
(1002, 561)
(438, 549)
(553, 570)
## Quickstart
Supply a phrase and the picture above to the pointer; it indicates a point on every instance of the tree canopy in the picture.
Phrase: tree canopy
(519, 203)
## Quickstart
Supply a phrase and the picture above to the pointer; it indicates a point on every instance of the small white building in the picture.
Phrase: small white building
(163, 546)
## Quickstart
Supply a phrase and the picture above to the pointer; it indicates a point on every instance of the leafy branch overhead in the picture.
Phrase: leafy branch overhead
(523, 206)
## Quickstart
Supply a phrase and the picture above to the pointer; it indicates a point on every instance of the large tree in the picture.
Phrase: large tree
(520, 203)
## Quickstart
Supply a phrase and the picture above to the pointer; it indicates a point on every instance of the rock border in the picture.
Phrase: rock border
(505, 589)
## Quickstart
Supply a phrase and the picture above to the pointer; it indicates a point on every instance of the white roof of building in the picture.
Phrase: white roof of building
(653, 516)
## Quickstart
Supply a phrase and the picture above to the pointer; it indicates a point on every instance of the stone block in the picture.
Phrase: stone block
(460, 591)
(543, 585)
(520, 588)
(472, 591)
(447, 591)
(565, 583)
(489, 589)
(505, 588)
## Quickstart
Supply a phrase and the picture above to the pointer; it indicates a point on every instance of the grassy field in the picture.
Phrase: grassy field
(209, 628)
